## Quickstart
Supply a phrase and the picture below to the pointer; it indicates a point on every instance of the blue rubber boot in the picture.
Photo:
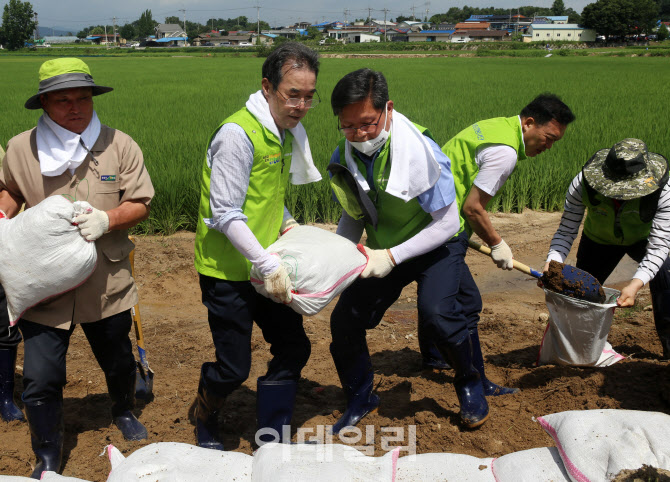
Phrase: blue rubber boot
(467, 382)
(122, 392)
(490, 389)
(8, 409)
(206, 412)
(274, 409)
(45, 421)
(357, 377)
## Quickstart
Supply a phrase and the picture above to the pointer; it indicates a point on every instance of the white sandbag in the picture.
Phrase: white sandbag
(322, 462)
(432, 467)
(577, 330)
(531, 465)
(43, 254)
(320, 264)
(178, 462)
(53, 476)
(596, 445)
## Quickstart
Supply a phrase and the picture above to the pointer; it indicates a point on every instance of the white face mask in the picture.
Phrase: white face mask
(372, 145)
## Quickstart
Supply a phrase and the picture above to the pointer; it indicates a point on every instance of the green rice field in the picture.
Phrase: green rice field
(171, 105)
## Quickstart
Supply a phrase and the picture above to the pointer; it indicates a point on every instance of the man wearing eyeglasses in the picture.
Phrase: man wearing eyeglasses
(403, 196)
(249, 160)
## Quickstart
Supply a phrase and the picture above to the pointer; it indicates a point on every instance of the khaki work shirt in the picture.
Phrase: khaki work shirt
(118, 176)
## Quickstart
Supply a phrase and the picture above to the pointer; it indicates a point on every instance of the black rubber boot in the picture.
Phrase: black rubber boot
(206, 414)
(122, 392)
(274, 409)
(431, 358)
(660, 302)
(45, 421)
(357, 377)
(468, 385)
(490, 389)
(8, 409)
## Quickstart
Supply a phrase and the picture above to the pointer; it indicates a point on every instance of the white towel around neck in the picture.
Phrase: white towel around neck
(414, 168)
(303, 170)
(59, 149)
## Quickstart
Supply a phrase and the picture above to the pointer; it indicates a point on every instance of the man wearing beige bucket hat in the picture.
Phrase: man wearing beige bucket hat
(72, 153)
(625, 193)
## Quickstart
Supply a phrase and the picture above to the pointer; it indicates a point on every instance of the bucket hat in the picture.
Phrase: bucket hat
(65, 73)
(626, 171)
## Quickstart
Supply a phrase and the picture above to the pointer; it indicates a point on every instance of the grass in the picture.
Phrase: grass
(170, 106)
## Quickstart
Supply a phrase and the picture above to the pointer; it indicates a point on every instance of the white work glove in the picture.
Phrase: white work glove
(287, 224)
(278, 284)
(379, 263)
(92, 224)
(502, 255)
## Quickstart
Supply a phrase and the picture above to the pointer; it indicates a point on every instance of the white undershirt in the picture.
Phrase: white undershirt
(496, 162)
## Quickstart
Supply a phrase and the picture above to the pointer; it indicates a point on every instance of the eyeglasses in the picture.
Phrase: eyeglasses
(294, 102)
(365, 128)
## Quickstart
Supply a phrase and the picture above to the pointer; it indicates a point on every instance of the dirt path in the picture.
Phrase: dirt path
(179, 341)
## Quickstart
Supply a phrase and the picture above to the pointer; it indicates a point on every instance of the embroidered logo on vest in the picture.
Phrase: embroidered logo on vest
(108, 178)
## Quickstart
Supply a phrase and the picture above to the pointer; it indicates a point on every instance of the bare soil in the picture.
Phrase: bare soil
(178, 341)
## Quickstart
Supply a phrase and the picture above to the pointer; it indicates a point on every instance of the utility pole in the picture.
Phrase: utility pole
(413, 16)
(346, 13)
(370, 18)
(36, 29)
(258, 21)
(114, 23)
(106, 40)
(183, 10)
(385, 26)
(427, 10)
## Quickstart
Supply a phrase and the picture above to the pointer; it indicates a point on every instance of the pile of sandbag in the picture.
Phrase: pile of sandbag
(591, 445)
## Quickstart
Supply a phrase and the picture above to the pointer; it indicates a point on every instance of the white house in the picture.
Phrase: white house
(545, 32)
(359, 37)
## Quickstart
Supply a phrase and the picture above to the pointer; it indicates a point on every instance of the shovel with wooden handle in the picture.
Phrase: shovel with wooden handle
(576, 282)
(144, 383)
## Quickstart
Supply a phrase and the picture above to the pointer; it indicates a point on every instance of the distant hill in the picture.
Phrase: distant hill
(58, 31)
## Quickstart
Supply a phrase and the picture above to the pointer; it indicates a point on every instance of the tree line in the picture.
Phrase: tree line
(611, 18)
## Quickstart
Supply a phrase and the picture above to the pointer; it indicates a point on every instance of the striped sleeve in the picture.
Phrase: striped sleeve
(573, 213)
(658, 245)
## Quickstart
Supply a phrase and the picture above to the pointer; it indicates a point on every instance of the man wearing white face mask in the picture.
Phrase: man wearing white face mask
(392, 180)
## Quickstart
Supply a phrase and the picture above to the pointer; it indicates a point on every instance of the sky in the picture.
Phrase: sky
(74, 15)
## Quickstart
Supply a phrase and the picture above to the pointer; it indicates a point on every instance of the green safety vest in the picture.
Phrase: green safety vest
(462, 150)
(263, 205)
(397, 220)
(605, 224)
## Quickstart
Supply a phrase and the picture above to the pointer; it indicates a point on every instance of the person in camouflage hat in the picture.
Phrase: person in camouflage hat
(625, 193)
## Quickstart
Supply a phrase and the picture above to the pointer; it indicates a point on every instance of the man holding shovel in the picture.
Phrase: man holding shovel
(72, 153)
(483, 156)
(249, 160)
(625, 193)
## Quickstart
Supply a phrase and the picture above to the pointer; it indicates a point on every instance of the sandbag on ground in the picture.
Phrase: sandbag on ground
(577, 330)
(532, 465)
(432, 467)
(322, 462)
(320, 264)
(42, 255)
(178, 462)
(596, 445)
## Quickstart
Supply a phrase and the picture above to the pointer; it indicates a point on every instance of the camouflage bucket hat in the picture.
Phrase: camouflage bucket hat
(626, 171)
(61, 74)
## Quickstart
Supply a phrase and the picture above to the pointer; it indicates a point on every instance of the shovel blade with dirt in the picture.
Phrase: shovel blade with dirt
(561, 278)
